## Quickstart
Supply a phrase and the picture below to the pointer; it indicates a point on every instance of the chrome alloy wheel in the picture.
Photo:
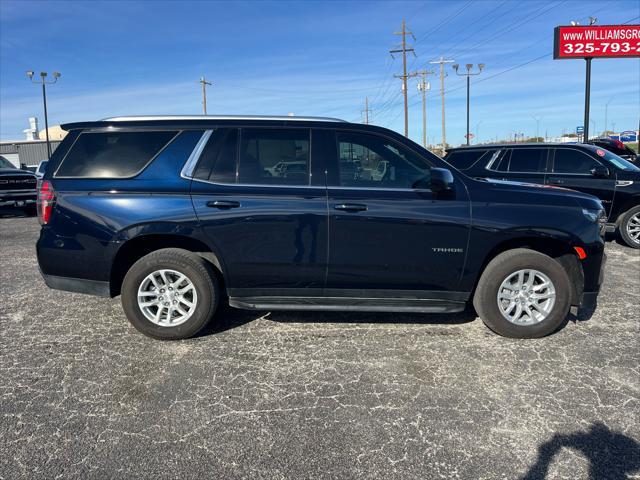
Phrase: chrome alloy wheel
(526, 297)
(167, 298)
(633, 228)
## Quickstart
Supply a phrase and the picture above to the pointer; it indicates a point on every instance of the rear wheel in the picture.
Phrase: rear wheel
(523, 294)
(170, 294)
(629, 227)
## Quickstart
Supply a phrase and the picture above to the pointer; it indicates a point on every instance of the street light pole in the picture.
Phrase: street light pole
(478, 131)
(606, 113)
(537, 119)
(469, 74)
(44, 83)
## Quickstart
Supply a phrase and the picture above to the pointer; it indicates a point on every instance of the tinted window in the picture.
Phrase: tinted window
(219, 158)
(4, 163)
(373, 161)
(568, 160)
(620, 162)
(276, 157)
(112, 155)
(463, 159)
(528, 160)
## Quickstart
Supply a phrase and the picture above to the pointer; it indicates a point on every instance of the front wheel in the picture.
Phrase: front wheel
(629, 227)
(170, 294)
(523, 294)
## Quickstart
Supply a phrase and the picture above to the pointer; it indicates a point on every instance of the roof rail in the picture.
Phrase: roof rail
(219, 117)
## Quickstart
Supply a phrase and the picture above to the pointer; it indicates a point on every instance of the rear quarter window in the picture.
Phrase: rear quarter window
(113, 154)
(465, 159)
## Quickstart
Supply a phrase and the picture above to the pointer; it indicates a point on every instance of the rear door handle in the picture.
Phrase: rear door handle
(223, 204)
(556, 181)
(350, 207)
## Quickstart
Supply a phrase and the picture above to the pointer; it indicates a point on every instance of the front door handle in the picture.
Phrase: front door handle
(350, 207)
(556, 181)
(223, 204)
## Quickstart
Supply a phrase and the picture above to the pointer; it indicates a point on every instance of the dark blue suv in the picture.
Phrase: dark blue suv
(177, 214)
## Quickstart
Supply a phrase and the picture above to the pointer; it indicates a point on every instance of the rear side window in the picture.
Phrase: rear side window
(113, 154)
(527, 160)
(464, 159)
(219, 158)
(568, 160)
(274, 157)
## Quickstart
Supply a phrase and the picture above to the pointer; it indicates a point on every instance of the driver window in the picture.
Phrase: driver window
(372, 161)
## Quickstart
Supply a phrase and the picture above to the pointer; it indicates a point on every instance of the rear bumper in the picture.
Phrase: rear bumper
(77, 285)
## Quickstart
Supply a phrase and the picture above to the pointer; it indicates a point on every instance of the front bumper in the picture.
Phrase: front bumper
(589, 299)
(18, 198)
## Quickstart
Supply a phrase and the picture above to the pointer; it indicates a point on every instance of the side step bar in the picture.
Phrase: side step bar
(347, 304)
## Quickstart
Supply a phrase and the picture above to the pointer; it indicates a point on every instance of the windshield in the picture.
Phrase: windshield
(4, 163)
(620, 162)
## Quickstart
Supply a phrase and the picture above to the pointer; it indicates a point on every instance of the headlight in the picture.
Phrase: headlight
(596, 216)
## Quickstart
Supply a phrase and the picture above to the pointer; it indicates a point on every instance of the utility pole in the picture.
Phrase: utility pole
(366, 110)
(203, 81)
(44, 83)
(404, 49)
(606, 115)
(442, 61)
(424, 86)
(469, 74)
(478, 131)
(537, 119)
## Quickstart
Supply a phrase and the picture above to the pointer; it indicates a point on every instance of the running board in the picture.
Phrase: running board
(347, 304)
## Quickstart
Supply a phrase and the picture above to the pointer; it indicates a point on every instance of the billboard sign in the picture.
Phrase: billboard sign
(580, 129)
(596, 41)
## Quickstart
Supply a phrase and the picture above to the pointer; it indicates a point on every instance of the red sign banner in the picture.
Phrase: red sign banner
(596, 41)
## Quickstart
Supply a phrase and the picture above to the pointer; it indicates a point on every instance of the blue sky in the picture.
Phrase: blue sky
(310, 58)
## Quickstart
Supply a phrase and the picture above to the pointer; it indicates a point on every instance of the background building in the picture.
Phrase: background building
(33, 149)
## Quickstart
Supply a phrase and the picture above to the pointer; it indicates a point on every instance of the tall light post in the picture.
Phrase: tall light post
(478, 131)
(44, 83)
(606, 115)
(468, 74)
(537, 119)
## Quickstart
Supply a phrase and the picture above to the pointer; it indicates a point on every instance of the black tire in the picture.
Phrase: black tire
(30, 210)
(199, 272)
(485, 298)
(623, 225)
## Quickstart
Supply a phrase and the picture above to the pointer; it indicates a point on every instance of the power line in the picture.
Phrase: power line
(540, 11)
(444, 22)
(515, 5)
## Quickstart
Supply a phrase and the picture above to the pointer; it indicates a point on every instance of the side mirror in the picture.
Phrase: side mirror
(23, 166)
(600, 171)
(441, 180)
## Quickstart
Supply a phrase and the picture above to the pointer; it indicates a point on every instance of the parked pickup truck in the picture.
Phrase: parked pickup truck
(17, 187)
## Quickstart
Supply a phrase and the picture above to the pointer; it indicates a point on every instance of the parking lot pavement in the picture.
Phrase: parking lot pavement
(311, 395)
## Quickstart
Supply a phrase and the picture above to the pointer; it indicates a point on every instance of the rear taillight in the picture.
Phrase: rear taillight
(46, 197)
(618, 144)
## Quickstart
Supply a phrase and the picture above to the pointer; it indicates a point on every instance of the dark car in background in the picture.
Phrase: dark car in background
(17, 187)
(581, 167)
(177, 214)
(615, 146)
